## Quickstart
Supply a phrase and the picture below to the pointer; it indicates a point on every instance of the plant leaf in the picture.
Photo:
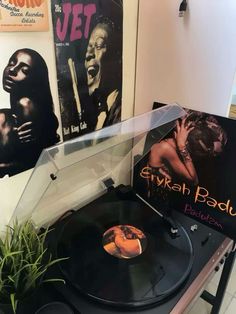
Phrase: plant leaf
(13, 302)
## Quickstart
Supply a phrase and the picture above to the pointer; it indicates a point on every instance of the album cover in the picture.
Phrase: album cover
(29, 119)
(88, 46)
(192, 170)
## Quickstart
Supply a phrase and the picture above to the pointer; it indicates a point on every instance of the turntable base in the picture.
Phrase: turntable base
(210, 248)
(205, 250)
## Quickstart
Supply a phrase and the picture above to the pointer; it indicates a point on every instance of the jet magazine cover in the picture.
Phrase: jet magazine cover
(192, 170)
(88, 44)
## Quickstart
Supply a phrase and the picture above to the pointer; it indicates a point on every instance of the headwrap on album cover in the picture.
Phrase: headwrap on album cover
(192, 170)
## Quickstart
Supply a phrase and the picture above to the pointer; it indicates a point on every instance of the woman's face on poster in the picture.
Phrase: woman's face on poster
(96, 56)
(17, 72)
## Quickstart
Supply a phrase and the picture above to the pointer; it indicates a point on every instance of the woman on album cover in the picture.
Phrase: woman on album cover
(103, 72)
(195, 137)
(30, 123)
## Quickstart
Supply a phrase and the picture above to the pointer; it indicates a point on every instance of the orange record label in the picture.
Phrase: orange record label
(124, 241)
(23, 15)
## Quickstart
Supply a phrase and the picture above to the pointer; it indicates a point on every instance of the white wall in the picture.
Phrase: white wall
(130, 25)
(190, 60)
(233, 96)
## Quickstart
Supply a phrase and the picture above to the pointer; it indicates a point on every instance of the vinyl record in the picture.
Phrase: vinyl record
(142, 272)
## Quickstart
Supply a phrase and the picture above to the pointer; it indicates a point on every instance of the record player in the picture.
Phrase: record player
(123, 254)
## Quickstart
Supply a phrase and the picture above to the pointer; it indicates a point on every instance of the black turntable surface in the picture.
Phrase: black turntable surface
(118, 277)
(122, 256)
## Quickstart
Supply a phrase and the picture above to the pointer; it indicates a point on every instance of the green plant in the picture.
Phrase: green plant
(24, 260)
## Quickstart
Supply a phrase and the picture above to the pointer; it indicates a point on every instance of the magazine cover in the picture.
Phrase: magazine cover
(88, 44)
(29, 120)
(192, 170)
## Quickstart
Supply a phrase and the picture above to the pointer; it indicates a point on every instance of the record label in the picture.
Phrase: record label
(124, 241)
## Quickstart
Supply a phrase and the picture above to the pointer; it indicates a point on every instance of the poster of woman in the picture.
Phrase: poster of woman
(29, 120)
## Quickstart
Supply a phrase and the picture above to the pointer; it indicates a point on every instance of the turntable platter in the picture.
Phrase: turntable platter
(156, 270)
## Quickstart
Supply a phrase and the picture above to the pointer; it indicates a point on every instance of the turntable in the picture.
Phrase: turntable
(123, 253)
